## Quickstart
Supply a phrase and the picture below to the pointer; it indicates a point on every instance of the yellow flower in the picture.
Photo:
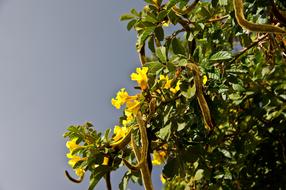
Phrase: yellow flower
(74, 159)
(133, 106)
(163, 180)
(105, 161)
(71, 145)
(177, 88)
(121, 98)
(205, 79)
(129, 117)
(165, 24)
(141, 77)
(158, 157)
(120, 132)
(168, 81)
(79, 172)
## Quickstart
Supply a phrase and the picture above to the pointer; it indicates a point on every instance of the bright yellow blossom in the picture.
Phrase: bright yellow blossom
(71, 145)
(168, 81)
(165, 23)
(129, 117)
(120, 132)
(105, 161)
(141, 77)
(121, 98)
(205, 79)
(79, 172)
(133, 106)
(163, 180)
(74, 159)
(158, 157)
(177, 88)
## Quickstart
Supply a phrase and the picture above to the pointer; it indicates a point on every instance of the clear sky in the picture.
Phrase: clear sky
(61, 63)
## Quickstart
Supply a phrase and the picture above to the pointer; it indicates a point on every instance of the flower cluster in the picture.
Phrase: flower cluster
(159, 156)
(132, 102)
(75, 158)
(122, 97)
(167, 83)
(119, 132)
(141, 77)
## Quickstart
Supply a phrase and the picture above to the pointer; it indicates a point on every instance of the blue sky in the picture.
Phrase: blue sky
(61, 63)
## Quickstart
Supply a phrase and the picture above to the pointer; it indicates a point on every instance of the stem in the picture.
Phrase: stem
(218, 19)
(107, 180)
(247, 48)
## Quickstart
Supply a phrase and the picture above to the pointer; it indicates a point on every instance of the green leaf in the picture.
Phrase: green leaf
(134, 12)
(136, 177)
(126, 16)
(225, 153)
(162, 15)
(173, 17)
(171, 168)
(151, 44)
(171, 67)
(96, 175)
(199, 175)
(106, 135)
(153, 67)
(148, 1)
(161, 54)
(143, 36)
(124, 182)
(221, 55)
(150, 18)
(238, 87)
(178, 47)
(131, 24)
(140, 25)
(181, 126)
(159, 33)
(190, 92)
(165, 132)
(171, 3)
(222, 2)
(214, 3)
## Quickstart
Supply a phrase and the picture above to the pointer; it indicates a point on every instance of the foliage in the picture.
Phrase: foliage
(211, 102)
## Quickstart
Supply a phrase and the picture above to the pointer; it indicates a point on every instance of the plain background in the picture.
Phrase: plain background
(61, 62)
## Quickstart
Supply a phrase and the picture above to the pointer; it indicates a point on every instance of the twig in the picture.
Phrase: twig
(247, 48)
(218, 19)
(107, 180)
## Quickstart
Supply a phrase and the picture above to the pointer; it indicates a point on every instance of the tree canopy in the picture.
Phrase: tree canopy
(211, 101)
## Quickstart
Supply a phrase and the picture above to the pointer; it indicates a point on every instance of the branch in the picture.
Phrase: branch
(107, 180)
(247, 48)
(218, 19)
